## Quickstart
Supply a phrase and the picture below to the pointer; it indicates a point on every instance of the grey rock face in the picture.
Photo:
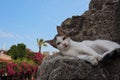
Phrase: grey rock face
(101, 21)
(71, 68)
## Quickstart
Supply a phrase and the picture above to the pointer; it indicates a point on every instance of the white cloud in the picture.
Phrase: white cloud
(4, 34)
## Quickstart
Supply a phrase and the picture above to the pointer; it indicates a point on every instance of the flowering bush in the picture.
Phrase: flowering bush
(23, 63)
(3, 68)
(22, 67)
(36, 57)
(11, 69)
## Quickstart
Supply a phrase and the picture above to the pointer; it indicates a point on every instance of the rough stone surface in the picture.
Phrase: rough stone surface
(61, 67)
(101, 21)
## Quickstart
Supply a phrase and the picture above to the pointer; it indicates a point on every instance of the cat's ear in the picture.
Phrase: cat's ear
(51, 42)
(60, 31)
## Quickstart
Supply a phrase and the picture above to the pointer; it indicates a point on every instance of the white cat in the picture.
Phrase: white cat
(91, 51)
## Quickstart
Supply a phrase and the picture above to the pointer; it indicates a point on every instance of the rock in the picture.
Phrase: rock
(71, 68)
(101, 21)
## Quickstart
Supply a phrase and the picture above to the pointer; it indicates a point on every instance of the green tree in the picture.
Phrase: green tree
(41, 43)
(17, 51)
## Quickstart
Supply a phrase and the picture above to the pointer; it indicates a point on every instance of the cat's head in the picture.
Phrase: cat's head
(61, 41)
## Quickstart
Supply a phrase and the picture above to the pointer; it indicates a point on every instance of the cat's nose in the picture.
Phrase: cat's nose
(65, 45)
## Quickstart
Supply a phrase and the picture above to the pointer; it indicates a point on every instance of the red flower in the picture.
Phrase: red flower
(10, 69)
(38, 57)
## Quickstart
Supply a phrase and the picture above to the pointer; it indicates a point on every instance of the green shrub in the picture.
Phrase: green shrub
(17, 51)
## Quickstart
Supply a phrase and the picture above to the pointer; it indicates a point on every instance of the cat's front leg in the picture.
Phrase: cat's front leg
(91, 52)
(93, 60)
(90, 59)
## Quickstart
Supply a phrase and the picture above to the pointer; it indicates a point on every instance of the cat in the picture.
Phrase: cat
(87, 50)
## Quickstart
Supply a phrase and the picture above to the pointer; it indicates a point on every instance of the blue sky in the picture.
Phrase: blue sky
(23, 21)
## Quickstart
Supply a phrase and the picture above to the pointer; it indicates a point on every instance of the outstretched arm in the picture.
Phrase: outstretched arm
(91, 52)
(89, 59)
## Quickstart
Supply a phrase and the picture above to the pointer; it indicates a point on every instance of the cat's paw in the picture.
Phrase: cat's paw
(99, 58)
(93, 61)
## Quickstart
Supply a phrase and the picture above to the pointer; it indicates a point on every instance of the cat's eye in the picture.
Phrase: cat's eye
(64, 38)
(58, 43)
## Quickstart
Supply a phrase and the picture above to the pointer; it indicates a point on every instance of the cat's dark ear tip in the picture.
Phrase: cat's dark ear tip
(51, 42)
(60, 31)
(48, 41)
(58, 27)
